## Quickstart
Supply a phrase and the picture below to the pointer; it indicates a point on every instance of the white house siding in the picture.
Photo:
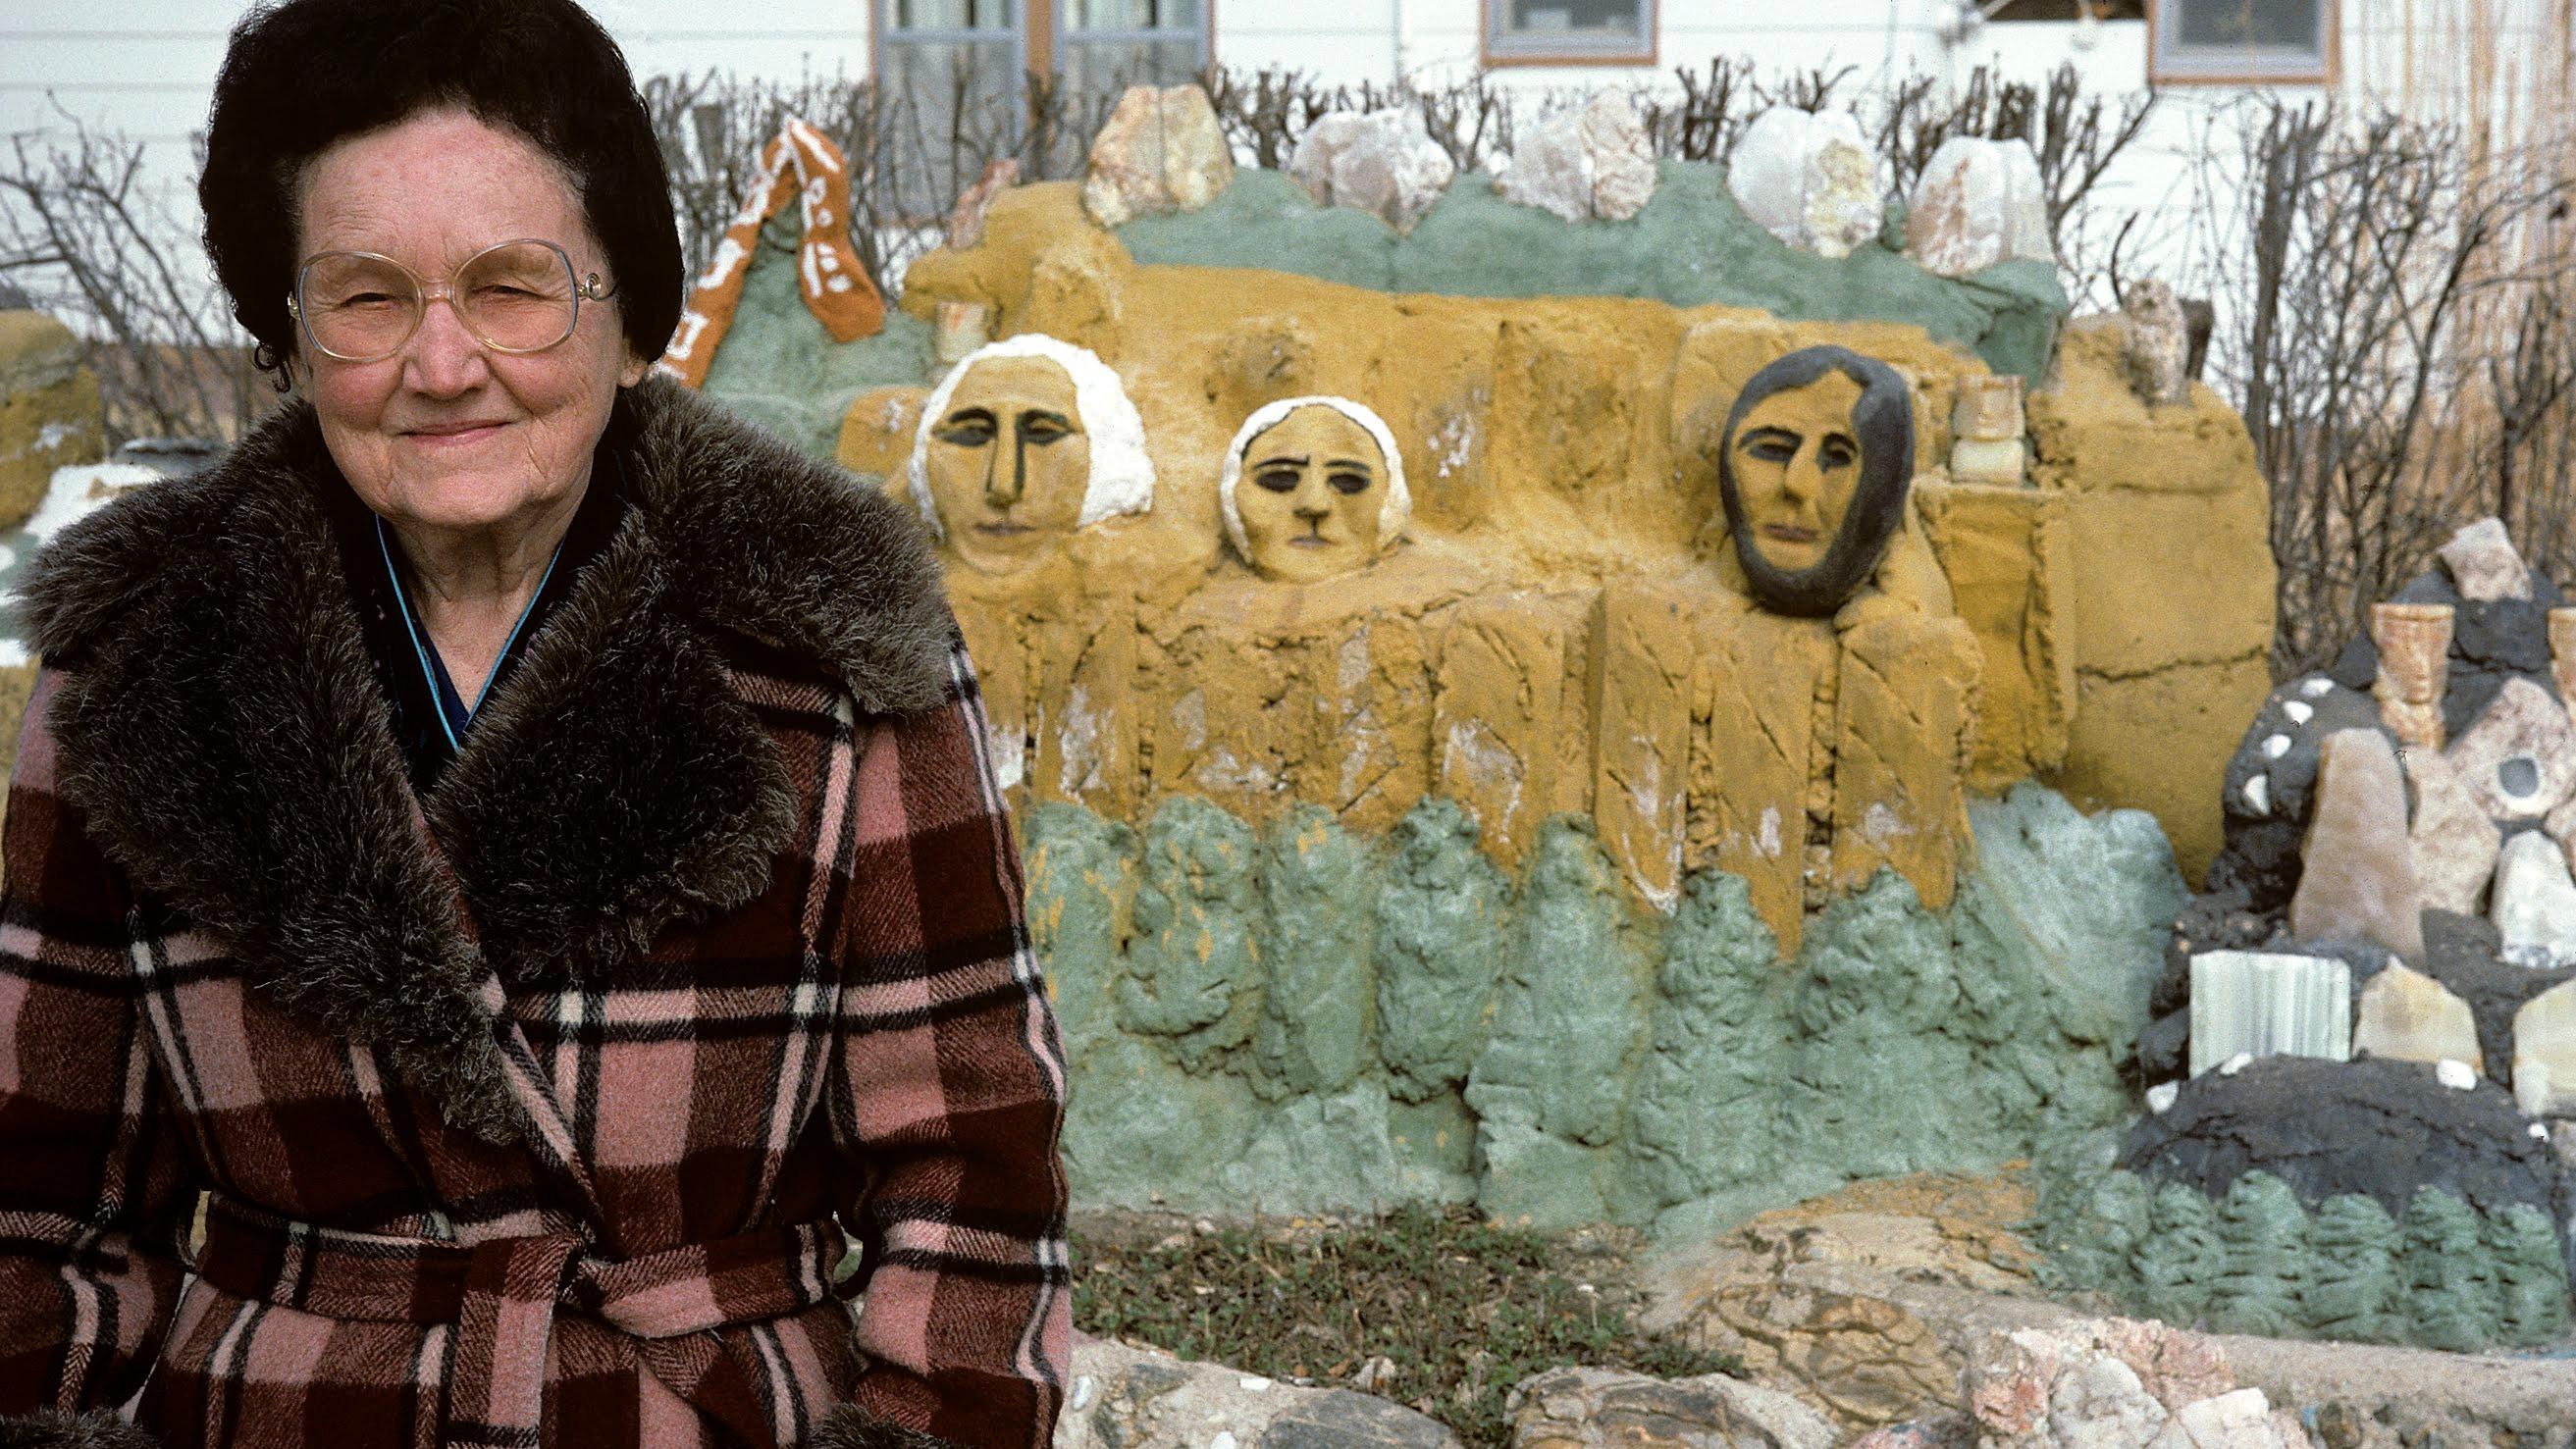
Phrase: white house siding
(146, 66)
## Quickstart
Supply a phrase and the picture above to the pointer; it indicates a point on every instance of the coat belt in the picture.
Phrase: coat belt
(501, 1298)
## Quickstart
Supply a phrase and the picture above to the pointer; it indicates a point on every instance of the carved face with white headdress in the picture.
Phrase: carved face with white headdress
(1313, 487)
(1026, 440)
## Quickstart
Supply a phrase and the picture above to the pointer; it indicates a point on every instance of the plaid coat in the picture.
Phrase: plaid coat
(533, 1111)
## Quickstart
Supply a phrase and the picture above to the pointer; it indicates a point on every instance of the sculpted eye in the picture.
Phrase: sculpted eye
(970, 429)
(1349, 482)
(1044, 428)
(1771, 445)
(1838, 451)
(1277, 480)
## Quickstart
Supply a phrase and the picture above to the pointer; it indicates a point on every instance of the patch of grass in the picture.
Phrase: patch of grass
(1430, 1307)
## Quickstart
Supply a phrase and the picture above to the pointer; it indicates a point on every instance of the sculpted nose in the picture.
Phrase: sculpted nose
(1803, 481)
(1310, 503)
(1005, 477)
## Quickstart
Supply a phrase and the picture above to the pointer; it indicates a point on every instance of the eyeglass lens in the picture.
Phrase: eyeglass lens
(517, 297)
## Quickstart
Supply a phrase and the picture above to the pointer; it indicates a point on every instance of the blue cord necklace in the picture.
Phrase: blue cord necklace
(454, 714)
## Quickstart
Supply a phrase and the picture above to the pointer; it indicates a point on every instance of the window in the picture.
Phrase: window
(951, 71)
(1105, 46)
(957, 71)
(1570, 32)
(2243, 41)
(2064, 10)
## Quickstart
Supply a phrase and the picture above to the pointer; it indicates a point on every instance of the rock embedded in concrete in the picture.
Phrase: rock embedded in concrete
(1590, 1408)
(2535, 902)
(1593, 164)
(2453, 840)
(1159, 151)
(1978, 203)
(2359, 875)
(966, 218)
(2408, 1016)
(2255, 1004)
(2159, 351)
(1809, 179)
(1381, 162)
(2544, 1052)
(2518, 759)
(1121, 1397)
(2482, 562)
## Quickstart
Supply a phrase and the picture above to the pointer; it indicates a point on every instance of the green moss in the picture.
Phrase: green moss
(1692, 246)
(779, 368)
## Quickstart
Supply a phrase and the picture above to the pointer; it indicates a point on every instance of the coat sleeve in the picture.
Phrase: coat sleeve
(948, 1101)
(94, 1188)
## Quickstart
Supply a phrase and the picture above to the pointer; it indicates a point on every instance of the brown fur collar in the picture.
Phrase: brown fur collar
(220, 725)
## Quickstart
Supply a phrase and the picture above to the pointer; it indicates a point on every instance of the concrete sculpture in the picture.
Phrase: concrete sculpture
(1327, 494)
(1813, 470)
(1025, 441)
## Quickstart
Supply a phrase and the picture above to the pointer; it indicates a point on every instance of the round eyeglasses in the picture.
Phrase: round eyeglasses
(513, 296)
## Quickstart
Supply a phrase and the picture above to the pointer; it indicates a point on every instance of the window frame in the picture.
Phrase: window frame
(1038, 40)
(1060, 34)
(2169, 65)
(1498, 49)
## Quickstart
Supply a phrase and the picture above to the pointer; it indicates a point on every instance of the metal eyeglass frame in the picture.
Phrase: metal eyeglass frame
(584, 288)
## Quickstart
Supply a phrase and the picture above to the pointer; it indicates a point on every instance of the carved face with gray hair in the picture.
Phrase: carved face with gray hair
(1327, 489)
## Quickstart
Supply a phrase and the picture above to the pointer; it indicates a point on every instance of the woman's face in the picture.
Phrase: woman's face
(447, 434)
(1311, 496)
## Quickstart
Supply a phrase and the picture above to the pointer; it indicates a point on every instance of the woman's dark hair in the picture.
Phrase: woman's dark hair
(1883, 424)
(303, 75)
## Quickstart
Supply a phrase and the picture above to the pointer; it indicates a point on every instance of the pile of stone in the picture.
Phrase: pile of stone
(2115, 1384)
(2398, 835)
(2393, 917)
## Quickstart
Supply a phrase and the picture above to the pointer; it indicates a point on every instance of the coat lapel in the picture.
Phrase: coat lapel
(221, 726)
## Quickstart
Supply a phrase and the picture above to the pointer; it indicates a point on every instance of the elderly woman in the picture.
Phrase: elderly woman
(513, 843)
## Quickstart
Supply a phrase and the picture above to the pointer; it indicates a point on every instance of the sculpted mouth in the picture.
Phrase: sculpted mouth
(1789, 533)
(1308, 540)
(1003, 530)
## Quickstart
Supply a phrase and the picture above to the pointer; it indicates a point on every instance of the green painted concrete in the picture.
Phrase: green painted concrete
(1692, 246)
(779, 368)
(2258, 1262)
(1307, 1020)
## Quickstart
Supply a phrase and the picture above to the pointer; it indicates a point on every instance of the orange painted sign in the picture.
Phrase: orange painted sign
(800, 165)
